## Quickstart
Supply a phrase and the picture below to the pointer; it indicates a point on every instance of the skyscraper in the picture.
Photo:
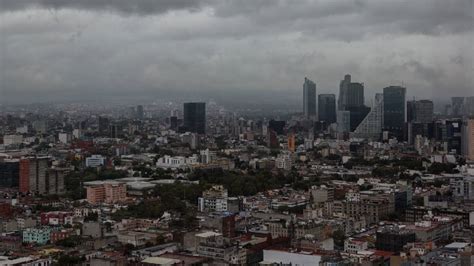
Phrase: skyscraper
(469, 106)
(351, 94)
(343, 121)
(420, 111)
(309, 98)
(355, 95)
(351, 99)
(33, 175)
(411, 110)
(371, 126)
(343, 87)
(467, 139)
(195, 117)
(394, 110)
(357, 114)
(457, 105)
(103, 124)
(327, 108)
(140, 113)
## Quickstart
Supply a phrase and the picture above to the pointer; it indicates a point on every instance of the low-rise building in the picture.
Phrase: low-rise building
(175, 162)
(109, 192)
(95, 161)
(214, 245)
(213, 200)
(56, 218)
(40, 236)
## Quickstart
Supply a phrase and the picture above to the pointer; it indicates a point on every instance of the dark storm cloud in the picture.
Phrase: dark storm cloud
(231, 47)
(355, 18)
(121, 6)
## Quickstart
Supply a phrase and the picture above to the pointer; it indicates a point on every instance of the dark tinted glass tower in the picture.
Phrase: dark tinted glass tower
(394, 110)
(195, 117)
(309, 98)
(351, 94)
(343, 86)
(327, 108)
(355, 95)
(9, 173)
(140, 113)
(420, 111)
(357, 114)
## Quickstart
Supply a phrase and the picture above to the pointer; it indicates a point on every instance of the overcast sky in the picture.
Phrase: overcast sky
(241, 50)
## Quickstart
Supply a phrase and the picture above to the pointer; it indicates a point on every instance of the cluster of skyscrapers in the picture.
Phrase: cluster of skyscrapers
(352, 116)
(389, 116)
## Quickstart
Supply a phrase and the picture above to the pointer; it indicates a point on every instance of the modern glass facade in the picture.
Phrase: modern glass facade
(327, 108)
(394, 110)
(195, 117)
(309, 98)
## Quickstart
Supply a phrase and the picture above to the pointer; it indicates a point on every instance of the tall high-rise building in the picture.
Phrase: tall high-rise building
(355, 95)
(457, 106)
(343, 121)
(291, 142)
(55, 181)
(272, 139)
(173, 122)
(195, 117)
(357, 114)
(115, 131)
(309, 98)
(351, 94)
(411, 111)
(327, 108)
(351, 99)
(420, 111)
(140, 112)
(448, 132)
(103, 124)
(343, 87)
(469, 106)
(467, 139)
(33, 175)
(394, 110)
(371, 126)
(9, 173)
(277, 125)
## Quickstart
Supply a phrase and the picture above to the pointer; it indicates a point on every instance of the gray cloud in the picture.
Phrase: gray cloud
(232, 49)
(139, 7)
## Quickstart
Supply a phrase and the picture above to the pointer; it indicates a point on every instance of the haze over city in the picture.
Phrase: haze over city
(234, 51)
(237, 132)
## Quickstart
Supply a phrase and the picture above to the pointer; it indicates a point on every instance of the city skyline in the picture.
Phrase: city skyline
(235, 52)
(237, 132)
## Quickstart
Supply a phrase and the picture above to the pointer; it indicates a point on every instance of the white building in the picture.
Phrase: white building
(207, 156)
(280, 257)
(95, 161)
(175, 162)
(352, 245)
(213, 200)
(64, 138)
(77, 133)
(12, 139)
(22, 129)
(463, 187)
(284, 161)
